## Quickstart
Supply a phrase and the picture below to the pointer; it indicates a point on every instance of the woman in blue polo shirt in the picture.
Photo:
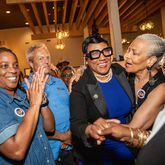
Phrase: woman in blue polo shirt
(22, 138)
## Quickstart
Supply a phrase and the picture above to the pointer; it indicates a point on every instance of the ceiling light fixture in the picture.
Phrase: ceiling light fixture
(60, 45)
(60, 34)
(8, 11)
(124, 41)
(147, 24)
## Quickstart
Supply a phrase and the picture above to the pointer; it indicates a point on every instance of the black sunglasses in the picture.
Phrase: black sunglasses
(95, 54)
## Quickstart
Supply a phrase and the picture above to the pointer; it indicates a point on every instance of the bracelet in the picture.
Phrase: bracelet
(132, 136)
(44, 101)
(140, 138)
(146, 135)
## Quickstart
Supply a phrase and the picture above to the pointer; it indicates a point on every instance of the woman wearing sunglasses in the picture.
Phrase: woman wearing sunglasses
(102, 93)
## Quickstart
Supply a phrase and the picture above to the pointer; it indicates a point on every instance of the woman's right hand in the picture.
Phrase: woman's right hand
(92, 131)
(36, 87)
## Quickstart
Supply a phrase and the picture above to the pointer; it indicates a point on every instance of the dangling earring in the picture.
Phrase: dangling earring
(151, 79)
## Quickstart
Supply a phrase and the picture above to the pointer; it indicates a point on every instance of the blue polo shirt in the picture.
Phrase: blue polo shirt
(12, 111)
(58, 97)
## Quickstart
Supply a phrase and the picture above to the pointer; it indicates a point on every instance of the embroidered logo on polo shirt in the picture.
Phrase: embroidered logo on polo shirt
(19, 112)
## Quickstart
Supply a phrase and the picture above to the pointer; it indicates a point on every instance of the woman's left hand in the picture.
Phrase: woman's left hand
(115, 130)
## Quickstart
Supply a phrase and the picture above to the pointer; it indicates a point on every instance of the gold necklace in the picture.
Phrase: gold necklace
(108, 75)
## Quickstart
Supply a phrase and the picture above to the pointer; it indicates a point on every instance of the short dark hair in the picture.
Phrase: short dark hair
(67, 68)
(92, 39)
(4, 49)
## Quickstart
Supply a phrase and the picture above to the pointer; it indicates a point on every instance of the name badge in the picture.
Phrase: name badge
(19, 112)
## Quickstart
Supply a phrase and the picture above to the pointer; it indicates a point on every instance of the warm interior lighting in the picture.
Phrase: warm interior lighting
(60, 34)
(124, 41)
(60, 45)
(147, 24)
(26, 23)
(65, 34)
(8, 11)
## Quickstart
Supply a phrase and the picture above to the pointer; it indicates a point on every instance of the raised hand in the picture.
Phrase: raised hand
(36, 87)
(76, 76)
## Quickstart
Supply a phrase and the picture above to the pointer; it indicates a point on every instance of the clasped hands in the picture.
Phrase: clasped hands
(35, 88)
(104, 127)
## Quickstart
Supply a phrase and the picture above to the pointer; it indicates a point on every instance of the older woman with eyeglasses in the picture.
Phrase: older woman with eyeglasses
(102, 93)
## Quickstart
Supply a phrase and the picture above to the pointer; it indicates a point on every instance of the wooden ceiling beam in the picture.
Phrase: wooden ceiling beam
(141, 14)
(105, 22)
(82, 2)
(37, 16)
(90, 11)
(51, 35)
(46, 15)
(100, 8)
(55, 16)
(122, 4)
(129, 29)
(72, 13)
(27, 17)
(28, 1)
(105, 30)
(64, 13)
(73, 33)
(151, 9)
(138, 5)
(97, 11)
(79, 33)
(81, 13)
(127, 8)
(102, 16)
(137, 13)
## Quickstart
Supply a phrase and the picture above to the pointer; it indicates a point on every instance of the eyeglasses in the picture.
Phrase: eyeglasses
(67, 75)
(95, 54)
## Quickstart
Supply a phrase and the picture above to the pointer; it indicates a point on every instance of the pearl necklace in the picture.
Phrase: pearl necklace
(108, 75)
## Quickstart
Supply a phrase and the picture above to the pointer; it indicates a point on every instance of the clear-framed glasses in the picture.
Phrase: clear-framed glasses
(95, 54)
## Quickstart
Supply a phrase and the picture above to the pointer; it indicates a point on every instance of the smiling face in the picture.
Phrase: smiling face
(9, 72)
(136, 58)
(41, 57)
(101, 65)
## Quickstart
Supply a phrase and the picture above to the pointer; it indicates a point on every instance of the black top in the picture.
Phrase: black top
(147, 88)
(153, 152)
